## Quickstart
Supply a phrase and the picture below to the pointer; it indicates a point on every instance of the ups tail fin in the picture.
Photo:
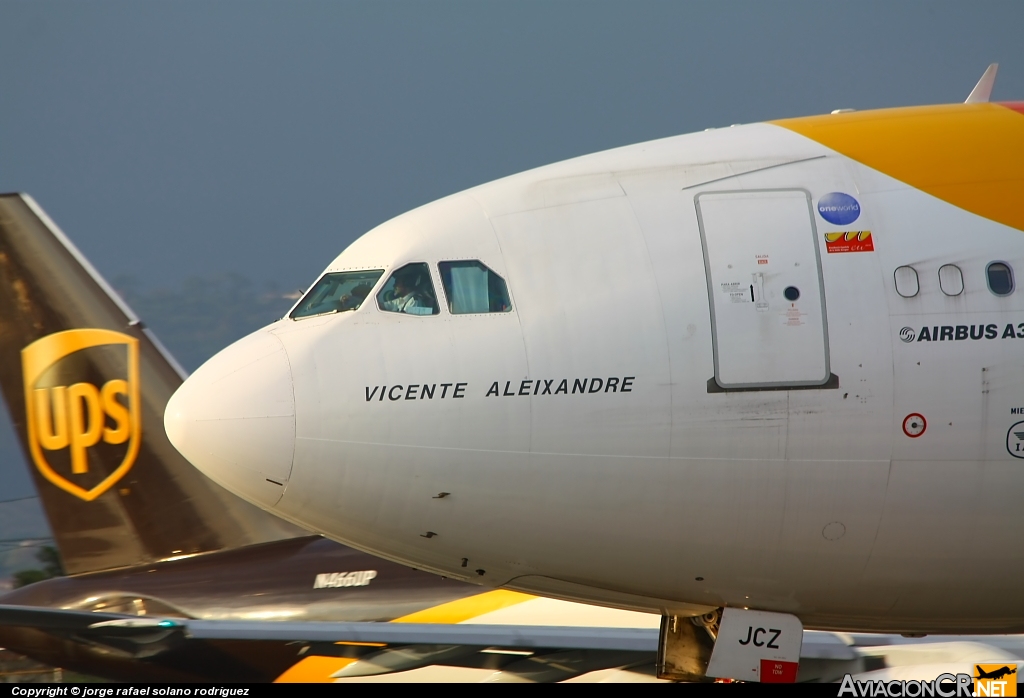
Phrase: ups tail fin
(86, 385)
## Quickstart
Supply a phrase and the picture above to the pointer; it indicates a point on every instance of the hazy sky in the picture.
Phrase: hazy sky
(177, 138)
(191, 137)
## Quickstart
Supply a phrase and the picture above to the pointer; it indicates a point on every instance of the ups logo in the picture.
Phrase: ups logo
(82, 405)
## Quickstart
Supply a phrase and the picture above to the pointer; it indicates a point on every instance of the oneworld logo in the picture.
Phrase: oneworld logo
(838, 208)
(907, 334)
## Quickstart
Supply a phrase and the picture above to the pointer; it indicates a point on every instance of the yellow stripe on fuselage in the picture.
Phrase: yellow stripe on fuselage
(316, 669)
(970, 155)
(462, 610)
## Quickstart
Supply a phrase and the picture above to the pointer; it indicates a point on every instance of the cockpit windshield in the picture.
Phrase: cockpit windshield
(337, 292)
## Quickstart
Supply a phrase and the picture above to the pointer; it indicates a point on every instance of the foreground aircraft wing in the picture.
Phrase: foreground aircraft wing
(510, 636)
(515, 652)
(544, 653)
(145, 630)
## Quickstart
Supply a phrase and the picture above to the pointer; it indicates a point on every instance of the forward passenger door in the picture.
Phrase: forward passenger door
(768, 319)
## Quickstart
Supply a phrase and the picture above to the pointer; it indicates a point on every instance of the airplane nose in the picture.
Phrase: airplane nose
(234, 419)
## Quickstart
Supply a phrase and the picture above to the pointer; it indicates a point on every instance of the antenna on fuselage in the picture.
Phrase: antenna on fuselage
(983, 90)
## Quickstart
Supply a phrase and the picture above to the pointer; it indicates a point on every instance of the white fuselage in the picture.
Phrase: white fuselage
(794, 488)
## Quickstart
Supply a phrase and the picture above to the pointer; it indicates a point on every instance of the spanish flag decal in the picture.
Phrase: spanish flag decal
(853, 241)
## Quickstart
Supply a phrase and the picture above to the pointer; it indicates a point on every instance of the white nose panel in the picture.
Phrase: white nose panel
(234, 418)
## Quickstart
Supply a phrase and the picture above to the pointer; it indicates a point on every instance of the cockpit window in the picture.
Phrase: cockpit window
(337, 292)
(473, 288)
(410, 291)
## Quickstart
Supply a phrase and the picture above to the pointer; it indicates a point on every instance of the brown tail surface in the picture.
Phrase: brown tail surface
(86, 385)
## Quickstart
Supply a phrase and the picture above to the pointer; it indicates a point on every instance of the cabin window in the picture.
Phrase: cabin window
(409, 291)
(471, 287)
(336, 292)
(1000, 278)
(907, 284)
(951, 280)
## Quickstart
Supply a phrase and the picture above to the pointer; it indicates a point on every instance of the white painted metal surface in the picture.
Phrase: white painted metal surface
(754, 645)
(585, 454)
(764, 284)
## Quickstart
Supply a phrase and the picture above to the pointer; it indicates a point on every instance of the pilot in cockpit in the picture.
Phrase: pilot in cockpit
(406, 297)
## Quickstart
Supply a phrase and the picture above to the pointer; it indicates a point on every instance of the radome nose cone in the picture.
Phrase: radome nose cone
(234, 418)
